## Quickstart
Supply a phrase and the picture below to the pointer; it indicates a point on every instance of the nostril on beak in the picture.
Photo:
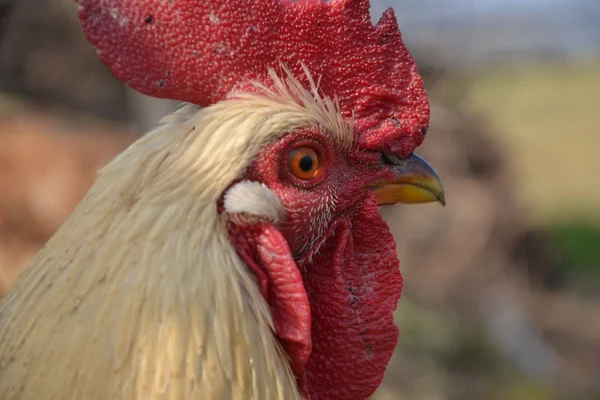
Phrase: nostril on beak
(390, 158)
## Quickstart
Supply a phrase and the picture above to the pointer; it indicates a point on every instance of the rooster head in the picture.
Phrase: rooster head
(303, 216)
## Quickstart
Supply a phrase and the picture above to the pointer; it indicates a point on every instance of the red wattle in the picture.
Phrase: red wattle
(335, 320)
(354, 285)
(267, 254)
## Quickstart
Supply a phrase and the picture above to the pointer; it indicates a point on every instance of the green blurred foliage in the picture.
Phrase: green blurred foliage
(578, 242)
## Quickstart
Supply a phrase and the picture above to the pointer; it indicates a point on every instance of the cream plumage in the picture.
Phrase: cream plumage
(236, 251)
(123, 239)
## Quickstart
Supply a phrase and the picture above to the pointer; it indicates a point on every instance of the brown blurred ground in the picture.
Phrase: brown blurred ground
(47, 163)
(486, 312)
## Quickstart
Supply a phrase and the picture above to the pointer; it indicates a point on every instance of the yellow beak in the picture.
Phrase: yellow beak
(415, 182)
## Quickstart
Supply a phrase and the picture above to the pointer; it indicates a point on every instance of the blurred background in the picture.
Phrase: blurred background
(502, 287)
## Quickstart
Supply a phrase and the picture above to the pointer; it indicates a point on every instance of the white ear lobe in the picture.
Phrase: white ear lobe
(253, 199)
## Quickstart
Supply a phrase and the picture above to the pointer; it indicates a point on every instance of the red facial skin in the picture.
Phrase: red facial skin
(347, 262)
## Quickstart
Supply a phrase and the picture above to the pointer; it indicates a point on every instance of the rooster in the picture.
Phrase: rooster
(236, 251)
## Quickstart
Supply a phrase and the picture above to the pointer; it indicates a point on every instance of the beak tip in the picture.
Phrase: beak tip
(415, 182)
(442, 199)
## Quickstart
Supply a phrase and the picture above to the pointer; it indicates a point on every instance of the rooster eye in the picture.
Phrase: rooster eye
(304, 163)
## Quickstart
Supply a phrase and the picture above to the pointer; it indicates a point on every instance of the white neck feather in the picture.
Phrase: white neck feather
(140, 295)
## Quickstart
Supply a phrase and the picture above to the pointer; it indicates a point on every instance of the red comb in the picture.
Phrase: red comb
(202, 51)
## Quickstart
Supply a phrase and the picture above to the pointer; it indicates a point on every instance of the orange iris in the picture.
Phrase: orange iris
(304, 163)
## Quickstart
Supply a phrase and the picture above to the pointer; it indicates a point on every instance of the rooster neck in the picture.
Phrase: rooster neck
(169, 316)
(140, 295)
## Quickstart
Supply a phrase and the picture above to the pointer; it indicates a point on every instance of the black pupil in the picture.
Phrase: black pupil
(306, 163)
